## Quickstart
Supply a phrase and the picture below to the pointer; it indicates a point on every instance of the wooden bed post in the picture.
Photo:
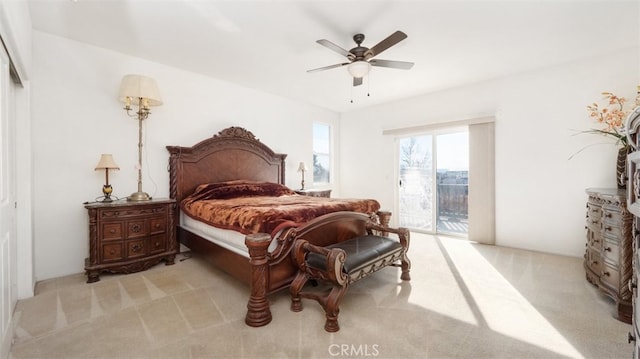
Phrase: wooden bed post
(258, 312)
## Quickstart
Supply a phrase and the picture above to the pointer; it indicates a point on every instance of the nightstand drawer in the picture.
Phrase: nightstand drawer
(157, 244)
(136, 248)
(136, 228)
(158, 225)
(112, 231)
(112, 252)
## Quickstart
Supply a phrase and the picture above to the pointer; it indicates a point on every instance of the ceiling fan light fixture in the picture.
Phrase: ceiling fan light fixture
(359, 69)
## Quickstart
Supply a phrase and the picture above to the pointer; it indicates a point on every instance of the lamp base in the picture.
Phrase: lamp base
(139, 196)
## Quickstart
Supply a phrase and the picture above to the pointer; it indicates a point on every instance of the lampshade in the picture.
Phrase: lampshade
(359, 68)
(138, 86)
(302, 167)
(107, 162)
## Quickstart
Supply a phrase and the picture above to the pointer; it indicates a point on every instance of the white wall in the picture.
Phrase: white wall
(76, 117)
(540, 198)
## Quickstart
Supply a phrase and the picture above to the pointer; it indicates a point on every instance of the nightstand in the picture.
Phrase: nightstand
(314, 192)
(127, 237)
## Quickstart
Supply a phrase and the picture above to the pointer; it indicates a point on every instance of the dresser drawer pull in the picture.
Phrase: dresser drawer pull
(630, 337)
(112, 231)
(608, 215)
(607, 249)
(632, 285)
(158, 225)
(607, 228)
(157, 244)
(605, 273)
(136, 248)
(136, 228)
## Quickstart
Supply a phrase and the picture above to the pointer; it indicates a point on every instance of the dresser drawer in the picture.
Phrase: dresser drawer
(611, 252)
(611, 230)
(610, 277)
(593, 211)
(593, 261)
(611, 215)
(594, 239)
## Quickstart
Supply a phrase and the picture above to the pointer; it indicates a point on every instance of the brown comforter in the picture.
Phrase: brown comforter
(253, 207)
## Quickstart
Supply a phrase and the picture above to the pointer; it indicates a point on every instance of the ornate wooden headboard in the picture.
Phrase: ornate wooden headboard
(234, 153)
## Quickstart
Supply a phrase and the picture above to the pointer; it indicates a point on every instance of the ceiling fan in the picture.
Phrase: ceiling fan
(362, 58)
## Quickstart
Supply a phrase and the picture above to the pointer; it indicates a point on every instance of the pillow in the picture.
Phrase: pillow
(239, 188)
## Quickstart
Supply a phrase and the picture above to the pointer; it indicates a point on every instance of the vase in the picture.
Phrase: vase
(621, 167)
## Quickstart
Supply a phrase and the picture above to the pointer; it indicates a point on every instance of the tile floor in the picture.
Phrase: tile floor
(464, 301)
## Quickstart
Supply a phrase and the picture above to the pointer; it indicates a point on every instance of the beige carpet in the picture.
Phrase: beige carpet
(464, 301)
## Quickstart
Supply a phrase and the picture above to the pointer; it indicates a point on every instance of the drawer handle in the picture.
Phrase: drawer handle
(632, 285)
(112, 231)
(630, 338)
(157, 244)
(608, 215)
(607, 228)
(136, 228)
(605, 273)
(112, 252)
(608, 249)
(136, 248)
(157, 225)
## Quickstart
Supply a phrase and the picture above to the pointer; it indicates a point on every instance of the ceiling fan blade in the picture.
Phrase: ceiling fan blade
(357, 81)
(391, 40)
(331, 46)
(328, 67)
(402, 65)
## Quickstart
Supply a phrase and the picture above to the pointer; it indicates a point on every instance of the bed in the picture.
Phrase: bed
(262, 259)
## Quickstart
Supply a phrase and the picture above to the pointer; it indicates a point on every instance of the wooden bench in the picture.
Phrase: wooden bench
(344, 263)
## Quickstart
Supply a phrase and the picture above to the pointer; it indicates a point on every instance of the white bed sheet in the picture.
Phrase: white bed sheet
(231, 240)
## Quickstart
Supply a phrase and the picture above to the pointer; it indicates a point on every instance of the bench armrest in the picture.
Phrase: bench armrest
(403, 234)
(335, 258)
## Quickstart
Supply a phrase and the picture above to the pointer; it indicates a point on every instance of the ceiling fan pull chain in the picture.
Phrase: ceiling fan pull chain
(369, 85)
(351, 94)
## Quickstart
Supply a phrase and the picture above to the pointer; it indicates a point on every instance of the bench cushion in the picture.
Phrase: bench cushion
(361, 251)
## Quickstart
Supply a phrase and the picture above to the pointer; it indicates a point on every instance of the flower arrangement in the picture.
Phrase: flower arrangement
(612, 116)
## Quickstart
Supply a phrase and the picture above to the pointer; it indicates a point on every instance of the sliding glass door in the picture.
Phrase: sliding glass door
(433, 184)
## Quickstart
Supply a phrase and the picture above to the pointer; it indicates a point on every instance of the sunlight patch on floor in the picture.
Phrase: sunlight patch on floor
(497, 304)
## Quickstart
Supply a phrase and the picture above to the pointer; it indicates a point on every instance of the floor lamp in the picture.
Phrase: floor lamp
(142, 91)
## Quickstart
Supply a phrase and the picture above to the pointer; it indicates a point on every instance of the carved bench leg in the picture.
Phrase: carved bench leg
(332, 308)
(296, 286)
(406, 266)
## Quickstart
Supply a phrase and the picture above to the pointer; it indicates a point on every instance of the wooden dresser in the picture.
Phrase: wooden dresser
(609, 253)
(633, 202)
(126, 237)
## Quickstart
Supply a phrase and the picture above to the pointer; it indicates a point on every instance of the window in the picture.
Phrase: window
(321, 153)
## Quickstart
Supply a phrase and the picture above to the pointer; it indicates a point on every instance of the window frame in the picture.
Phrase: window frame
(329, 154)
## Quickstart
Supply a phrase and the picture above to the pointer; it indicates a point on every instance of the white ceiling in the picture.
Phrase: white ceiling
(269, 45)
